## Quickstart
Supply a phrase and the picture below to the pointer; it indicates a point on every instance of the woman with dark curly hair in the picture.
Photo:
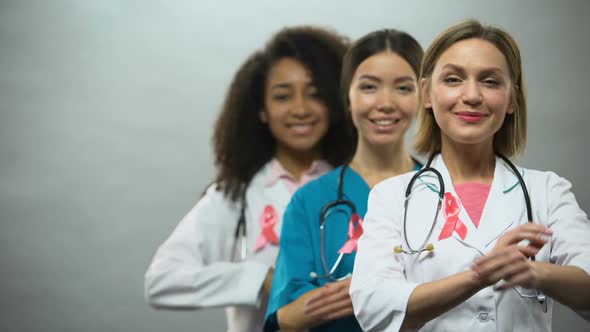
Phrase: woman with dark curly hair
(282, 124)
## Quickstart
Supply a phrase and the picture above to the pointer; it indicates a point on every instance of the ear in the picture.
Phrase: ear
(425, 93)
(510, 109)
(263, 116)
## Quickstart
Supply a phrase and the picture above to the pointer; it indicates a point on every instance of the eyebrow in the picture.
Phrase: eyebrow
(489, 70)
(281, 86)
(287, 85)
(397, 80)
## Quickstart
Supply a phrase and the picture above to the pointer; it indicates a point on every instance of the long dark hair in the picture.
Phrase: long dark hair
(242, 143)
(375, 42)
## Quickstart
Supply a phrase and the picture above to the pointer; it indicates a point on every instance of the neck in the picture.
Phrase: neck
(469, 163)
(296, 162)
(377, 163)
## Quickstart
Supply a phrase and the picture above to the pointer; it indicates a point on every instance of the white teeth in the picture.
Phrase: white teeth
(300, 126)
(383, 122)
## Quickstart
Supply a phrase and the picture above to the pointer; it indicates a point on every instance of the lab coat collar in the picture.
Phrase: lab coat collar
(276, 172)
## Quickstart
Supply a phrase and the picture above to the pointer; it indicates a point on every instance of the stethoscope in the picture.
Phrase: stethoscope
(427, 246)
(240, 232)
(335, 206)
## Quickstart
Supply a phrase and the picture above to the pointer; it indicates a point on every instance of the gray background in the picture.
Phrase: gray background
(106, 111)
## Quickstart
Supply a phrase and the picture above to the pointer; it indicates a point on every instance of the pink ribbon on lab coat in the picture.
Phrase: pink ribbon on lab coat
(355, 230)
(452, 223)
(268, 220)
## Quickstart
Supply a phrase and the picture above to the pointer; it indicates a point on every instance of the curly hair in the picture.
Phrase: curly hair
(242, 143)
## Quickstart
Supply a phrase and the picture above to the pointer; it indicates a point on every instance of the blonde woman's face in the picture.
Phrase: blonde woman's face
(296, 115)
(469, 92)
(383, 99)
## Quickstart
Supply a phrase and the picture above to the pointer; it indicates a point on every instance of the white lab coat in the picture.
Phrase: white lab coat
(192, 268)
(383, 281)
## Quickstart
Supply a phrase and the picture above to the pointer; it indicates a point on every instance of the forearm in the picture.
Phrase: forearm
(183, 285)
(570, 285)
(430, 300)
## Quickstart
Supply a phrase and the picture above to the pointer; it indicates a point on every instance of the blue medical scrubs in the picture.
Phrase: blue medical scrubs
(300, 251)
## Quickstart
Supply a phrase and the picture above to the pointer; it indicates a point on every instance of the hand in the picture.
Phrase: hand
(332, 302)
(267, 284)
(510, 262)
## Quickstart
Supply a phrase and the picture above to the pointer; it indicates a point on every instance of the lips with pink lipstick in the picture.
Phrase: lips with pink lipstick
(301, 128)
(471, 117)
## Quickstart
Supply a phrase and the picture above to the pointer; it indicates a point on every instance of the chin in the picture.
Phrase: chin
(304, 146)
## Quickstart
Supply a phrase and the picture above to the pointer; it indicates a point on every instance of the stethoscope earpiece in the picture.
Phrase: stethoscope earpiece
(398, 249)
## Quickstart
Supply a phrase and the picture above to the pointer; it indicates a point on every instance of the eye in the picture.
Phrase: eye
(451, 80)
(280, 97)
(367, 87)
(406, 89)
(313, 92)
(491, 82)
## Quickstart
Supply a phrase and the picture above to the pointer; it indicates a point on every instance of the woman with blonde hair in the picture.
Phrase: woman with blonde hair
(478, 244)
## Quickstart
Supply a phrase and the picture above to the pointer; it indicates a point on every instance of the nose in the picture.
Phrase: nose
(301, 107)
(472, 93)
(385, 101)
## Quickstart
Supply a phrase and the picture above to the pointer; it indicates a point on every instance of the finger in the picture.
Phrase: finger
(330, 288)
(325, 302)
(345, 312)
(539, 241)
(523, 278)
(321, 295)
(329, 309)
(528, 251)
(511, 270)
(496, 266)
(495, 255)
(511, 236)
(534, 227)
(536, 238)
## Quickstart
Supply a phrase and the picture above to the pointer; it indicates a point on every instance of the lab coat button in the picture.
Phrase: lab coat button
(483, 317)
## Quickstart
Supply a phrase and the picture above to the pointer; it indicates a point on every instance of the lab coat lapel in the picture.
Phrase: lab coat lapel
(504, 208)
(439, 164)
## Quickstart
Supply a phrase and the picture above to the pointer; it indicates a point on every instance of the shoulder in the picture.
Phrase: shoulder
(547, 180)
(394, 184)
(215, 199)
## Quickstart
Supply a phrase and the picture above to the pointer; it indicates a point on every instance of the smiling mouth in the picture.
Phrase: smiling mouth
(385, 123)
(301, 128)
(300, 125)
(471, 117)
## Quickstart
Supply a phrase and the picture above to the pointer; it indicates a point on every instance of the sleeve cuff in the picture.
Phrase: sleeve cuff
(252, 277)
(271, 324)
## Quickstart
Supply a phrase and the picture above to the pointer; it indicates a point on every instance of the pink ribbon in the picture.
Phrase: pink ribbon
(355, 230)
(452, 223)
(268, 220)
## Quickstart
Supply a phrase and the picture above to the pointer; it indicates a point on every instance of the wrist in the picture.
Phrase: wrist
(542, 273)
(284, 321)
(473, 281)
